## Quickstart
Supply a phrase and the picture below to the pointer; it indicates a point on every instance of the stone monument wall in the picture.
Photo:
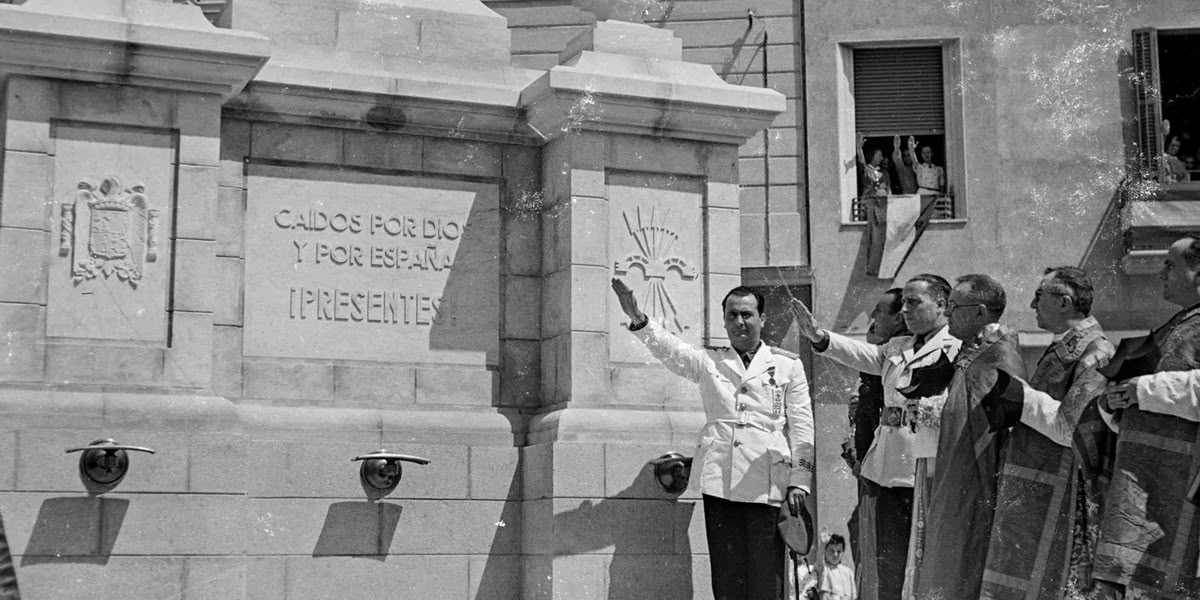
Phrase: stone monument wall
(338, 227)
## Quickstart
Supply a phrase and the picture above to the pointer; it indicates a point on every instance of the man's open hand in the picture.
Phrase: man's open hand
(628, 303)
(805, 323)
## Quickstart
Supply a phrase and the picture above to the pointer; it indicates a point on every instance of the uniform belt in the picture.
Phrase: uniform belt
(763, 424)
(893, 416)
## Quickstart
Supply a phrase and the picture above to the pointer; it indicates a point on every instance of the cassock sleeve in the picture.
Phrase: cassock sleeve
(857, 355)
(681, 358)
(800, 429)
(1057, 420)
(1042, 413)
(1175, 393)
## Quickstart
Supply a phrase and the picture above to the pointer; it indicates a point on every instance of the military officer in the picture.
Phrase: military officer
(755, 451)
(893, 464)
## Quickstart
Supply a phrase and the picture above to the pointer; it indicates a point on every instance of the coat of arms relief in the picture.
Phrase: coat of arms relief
(656, 256)
(108, 230)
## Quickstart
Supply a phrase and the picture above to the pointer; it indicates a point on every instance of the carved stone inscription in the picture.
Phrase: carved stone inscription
(654, 241)
(364, 267)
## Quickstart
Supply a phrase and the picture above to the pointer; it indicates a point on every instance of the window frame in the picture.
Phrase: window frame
(1146, 85)
(953, 119)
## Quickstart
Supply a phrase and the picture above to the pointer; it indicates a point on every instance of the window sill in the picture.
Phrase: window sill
(863, 224)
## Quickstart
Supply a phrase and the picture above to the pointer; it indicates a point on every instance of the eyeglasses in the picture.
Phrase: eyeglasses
(953, 307)
(1037, 294)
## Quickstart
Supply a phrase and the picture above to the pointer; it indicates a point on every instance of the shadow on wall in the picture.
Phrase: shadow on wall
(470, 313)
(358, 529)
(75, 530)
(647, 529)
(501, 576)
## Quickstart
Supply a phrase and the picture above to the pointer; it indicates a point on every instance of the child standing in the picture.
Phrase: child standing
(836, 579)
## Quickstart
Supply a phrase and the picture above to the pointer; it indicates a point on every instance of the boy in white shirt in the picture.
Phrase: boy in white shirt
(837, 580)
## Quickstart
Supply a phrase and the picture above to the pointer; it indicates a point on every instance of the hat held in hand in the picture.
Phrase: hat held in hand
(796, 530)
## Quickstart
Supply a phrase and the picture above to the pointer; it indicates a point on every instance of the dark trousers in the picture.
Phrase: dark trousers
(745, 550)
(893, 519)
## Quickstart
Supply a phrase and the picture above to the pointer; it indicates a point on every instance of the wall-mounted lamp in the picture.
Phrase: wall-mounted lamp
(381, 469)
(104, 463)
(672, 471)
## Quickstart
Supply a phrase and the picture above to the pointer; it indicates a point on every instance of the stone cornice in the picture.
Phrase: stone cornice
(626, 78)
(421, 98)
(131, 42)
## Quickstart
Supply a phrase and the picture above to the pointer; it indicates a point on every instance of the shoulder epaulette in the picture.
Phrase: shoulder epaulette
(717, 348)
(784, 353)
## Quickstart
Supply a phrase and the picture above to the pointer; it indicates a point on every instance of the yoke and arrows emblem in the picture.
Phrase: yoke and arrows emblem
(122, 233)
(655, 257)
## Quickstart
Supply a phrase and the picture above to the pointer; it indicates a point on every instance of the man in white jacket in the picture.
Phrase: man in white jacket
(756, 449)
(890, 466)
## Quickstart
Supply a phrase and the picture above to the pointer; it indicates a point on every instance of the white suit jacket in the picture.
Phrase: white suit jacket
(891, 459)
(758, 438)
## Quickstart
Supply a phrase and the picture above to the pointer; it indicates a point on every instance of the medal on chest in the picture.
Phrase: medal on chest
(776, 392)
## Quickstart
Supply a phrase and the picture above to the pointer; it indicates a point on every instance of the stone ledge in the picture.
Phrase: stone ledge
(138, 42)
(618, 425)
(42, 408)
(648, 90)
(414, 97)
(482, 427)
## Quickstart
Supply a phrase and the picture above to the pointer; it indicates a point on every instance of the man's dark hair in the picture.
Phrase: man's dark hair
(897, 295)
(1078, 284)
(986, 291)
(743, 291)
(836, 540)
(1191, 255)
(939, 288)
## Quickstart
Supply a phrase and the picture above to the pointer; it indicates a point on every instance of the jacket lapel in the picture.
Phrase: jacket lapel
(933, 344)
(733, 362)
(763, 359)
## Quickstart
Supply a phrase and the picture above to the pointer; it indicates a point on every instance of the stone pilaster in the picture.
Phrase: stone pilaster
(112, 130)
(639, 174)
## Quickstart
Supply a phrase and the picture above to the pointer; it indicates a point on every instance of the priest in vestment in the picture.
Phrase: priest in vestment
(1150, 532)
(962, 498)
(1044, 530)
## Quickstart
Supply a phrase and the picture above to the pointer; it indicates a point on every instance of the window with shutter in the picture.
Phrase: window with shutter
(1146, 86)
(901, 91)
(1166, 89)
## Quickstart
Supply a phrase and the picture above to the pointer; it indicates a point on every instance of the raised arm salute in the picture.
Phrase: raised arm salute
(755, 451)
(889, 467)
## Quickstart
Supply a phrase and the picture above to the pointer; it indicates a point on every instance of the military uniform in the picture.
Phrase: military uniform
(758, 438)
(756, 442)
(889, 465)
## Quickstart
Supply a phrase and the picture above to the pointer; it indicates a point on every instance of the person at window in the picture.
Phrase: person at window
(1174, 169)
(875, 186)
(874, 180)
(755, 453)
(931, 178)
(905, 166)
